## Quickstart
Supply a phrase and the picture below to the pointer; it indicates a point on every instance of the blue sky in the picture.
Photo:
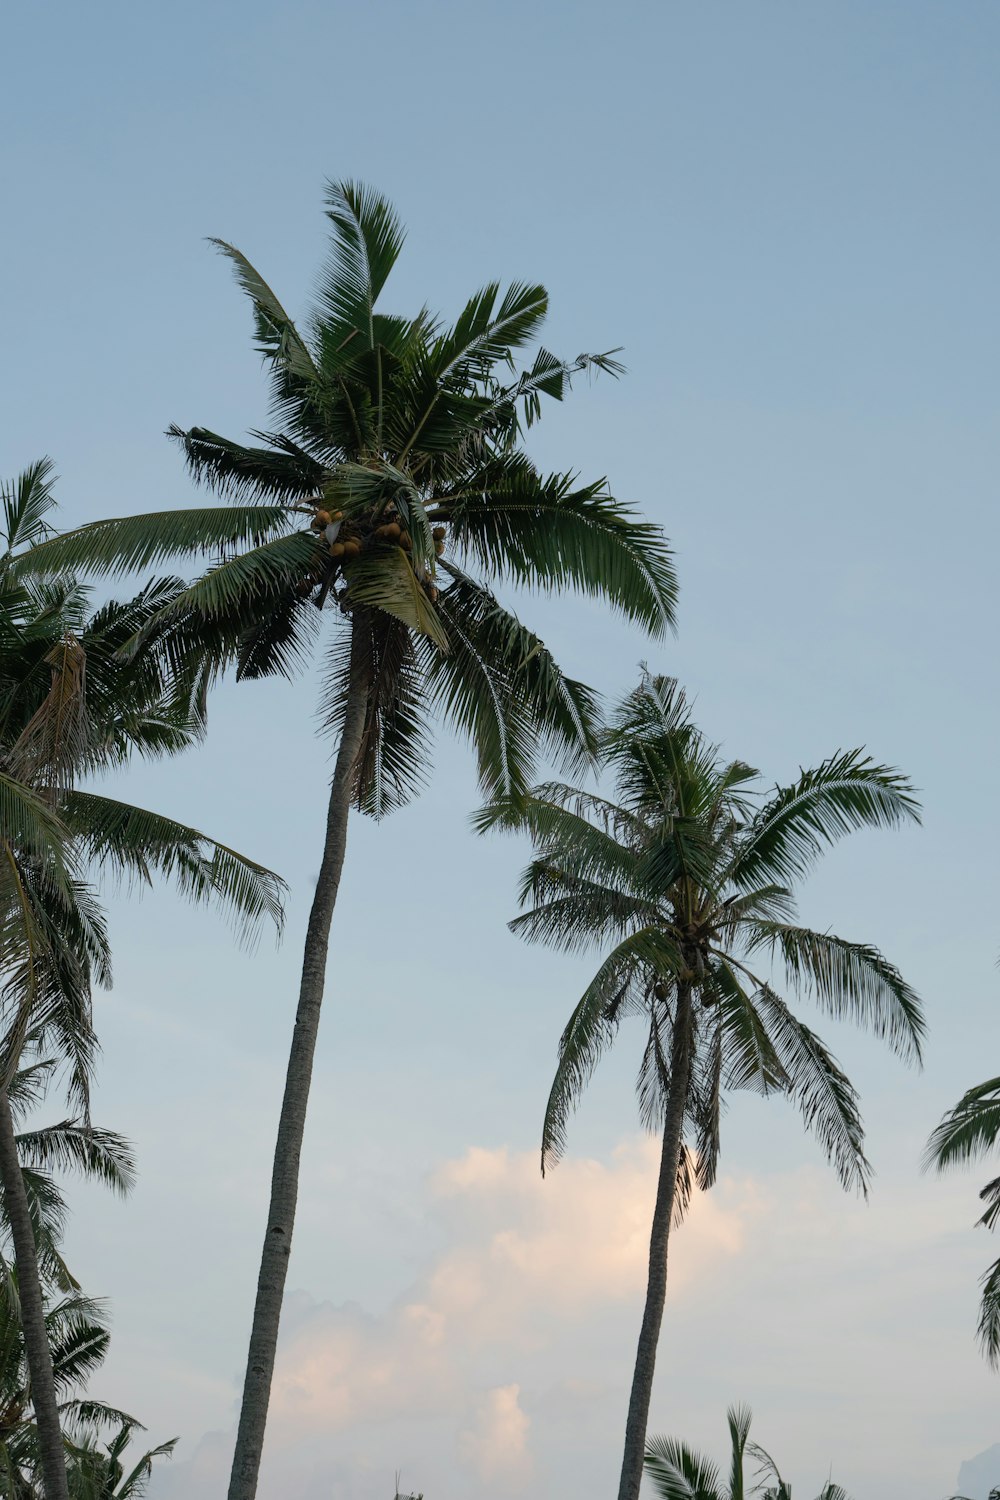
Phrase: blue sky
(788, 216)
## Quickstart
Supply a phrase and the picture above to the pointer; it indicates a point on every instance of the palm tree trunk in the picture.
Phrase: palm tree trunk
(656, 1286)
(291, 1124)
(36, 1339)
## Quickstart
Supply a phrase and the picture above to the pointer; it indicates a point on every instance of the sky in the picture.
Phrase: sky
(787, 216)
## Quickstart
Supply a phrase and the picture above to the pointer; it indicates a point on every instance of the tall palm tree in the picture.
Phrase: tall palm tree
(964, 1135)
(678, 1473)
(69, 706)
(687, 880)
(396, 463)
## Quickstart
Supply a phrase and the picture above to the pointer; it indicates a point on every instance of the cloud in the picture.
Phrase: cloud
(496, 1445)
(446, 1378)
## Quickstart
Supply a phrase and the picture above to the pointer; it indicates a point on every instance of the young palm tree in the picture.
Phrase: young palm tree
(678, 1473)
(97, 1474)
(396, 463)
(689, 881)
(78, 1339)
(965, 1134)
(68, 706)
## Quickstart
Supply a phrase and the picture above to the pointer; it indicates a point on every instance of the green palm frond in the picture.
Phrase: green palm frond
(500, 685)
(548, 533)
(383, 579)
(278, 340)
(282, 471)
(738, 1419)
(616, 988)
(849, 980)
(365, 246)
(825, 1097)
(25, 504)
(846, 793)
(127, 544)
(69, 1145)
(969, 1129)
(989, 1315)
(750, 1059)
(678, 1473)
(134, 842)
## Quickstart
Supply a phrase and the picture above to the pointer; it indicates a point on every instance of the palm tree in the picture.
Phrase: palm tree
(688, 882)
(69, 707)
(678, 1473)
(78, 1338)
(102, 1475)
(396, 463)
(69, 1145)
(965, 1134)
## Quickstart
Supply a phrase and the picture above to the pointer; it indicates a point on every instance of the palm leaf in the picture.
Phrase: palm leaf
(846, 793)
(127, 544)
(967, 1130)
(678, 1473)
(849, 980)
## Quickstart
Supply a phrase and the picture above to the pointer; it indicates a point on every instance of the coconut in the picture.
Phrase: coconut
(338, 549)
(439, 548)
(393, 531)
(323, 518)
(351, 548)
(439, 533)
(405, 540)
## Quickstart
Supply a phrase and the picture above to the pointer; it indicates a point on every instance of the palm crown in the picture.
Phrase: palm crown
(395, 467)
(687, 880)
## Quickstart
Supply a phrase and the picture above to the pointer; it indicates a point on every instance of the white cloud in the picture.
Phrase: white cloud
(496, 1445)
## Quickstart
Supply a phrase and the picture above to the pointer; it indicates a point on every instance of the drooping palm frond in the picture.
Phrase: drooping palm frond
(617, 987)
(849, 980)
(552, 534)
(846, 793)
(967, 1130)
(825, 1096)
(500, 686)
(122, 839)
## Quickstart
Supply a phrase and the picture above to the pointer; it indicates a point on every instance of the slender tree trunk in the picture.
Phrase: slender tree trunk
(291, 1125)
(656, 1286)
(36, 1339)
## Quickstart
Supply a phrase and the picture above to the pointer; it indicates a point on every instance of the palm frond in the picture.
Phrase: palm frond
(849, 980)
(25, 504)
(365, 246)
(678, 1473)
(127, 544)
(825, 1097)
(970, 1128)
(846, 793)
(136, 843)
(550, 534)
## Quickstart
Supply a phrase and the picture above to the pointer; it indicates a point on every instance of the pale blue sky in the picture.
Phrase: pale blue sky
(788, 215)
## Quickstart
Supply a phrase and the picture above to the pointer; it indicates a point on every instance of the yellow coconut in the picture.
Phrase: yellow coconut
(337, 549)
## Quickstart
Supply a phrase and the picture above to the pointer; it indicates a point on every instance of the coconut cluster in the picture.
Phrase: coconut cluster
(347, 539)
